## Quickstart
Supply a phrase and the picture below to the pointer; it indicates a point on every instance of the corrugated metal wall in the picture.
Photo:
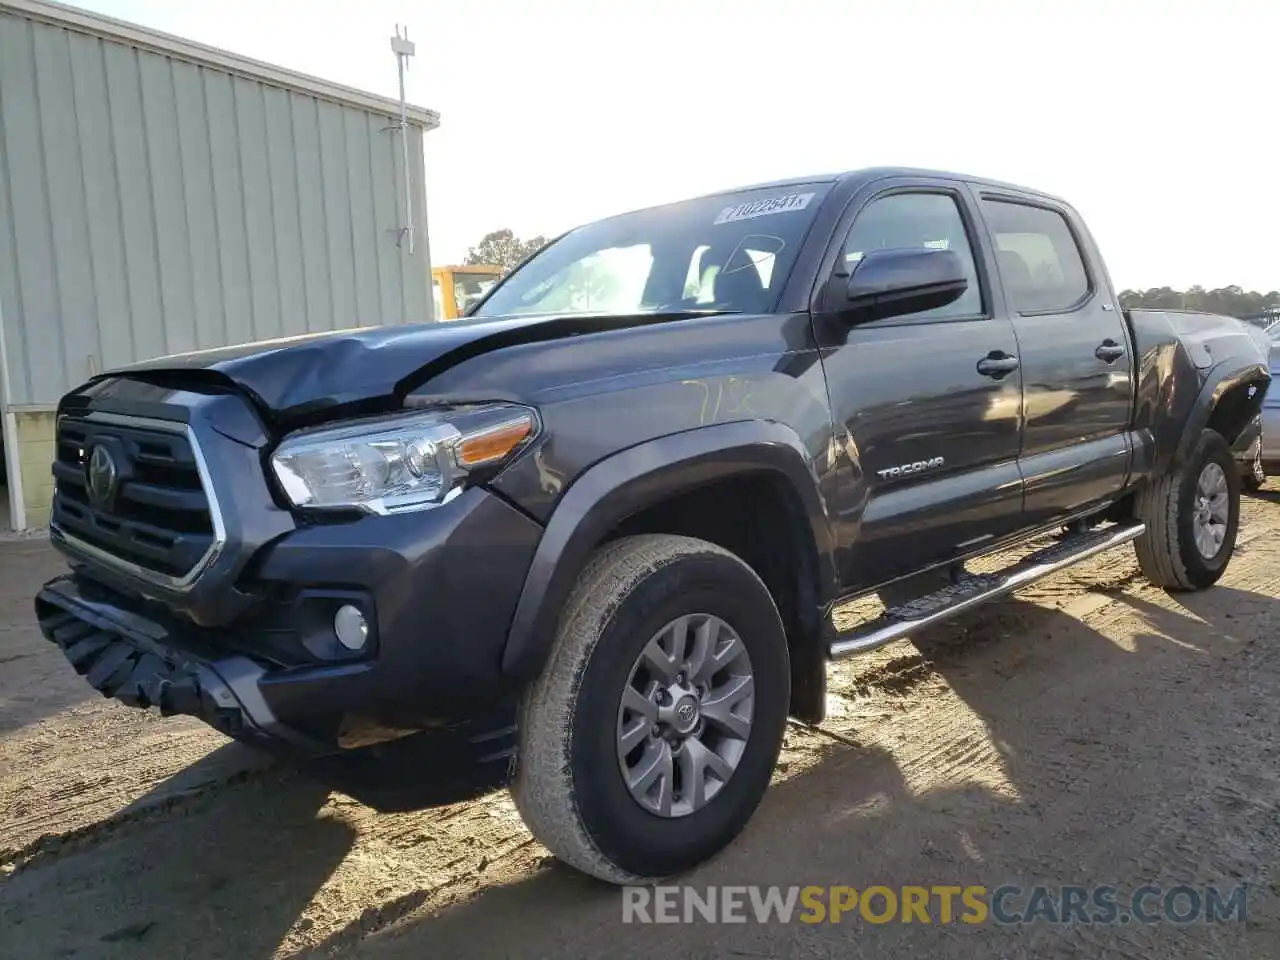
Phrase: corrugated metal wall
(150, 206)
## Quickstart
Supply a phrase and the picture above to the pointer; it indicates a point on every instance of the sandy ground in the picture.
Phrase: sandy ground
(1090, 730)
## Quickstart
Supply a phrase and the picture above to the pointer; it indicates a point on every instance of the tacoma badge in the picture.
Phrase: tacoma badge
(918, 466)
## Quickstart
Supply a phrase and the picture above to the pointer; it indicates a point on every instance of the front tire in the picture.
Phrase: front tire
(650, 738)
(1192, 516)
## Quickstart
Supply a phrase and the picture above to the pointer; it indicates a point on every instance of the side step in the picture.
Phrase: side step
(972, 589)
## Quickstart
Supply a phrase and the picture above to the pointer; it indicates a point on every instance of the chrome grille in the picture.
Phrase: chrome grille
(131, 492)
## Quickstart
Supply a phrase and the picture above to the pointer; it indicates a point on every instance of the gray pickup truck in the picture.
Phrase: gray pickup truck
(588, 541)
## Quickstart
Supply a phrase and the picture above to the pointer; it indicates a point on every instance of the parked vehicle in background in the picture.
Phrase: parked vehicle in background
(456, 289)
(1269, 425)
(1247, 451)
(1256, 454)
(1257, 449)
(592, 536)
(1267, 319)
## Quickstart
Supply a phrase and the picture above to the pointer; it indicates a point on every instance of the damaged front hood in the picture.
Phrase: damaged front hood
(301, 375)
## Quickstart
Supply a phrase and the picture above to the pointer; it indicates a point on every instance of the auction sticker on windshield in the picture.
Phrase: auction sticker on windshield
(764, 208)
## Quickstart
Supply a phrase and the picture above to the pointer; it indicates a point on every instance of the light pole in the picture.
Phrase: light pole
(403, 48)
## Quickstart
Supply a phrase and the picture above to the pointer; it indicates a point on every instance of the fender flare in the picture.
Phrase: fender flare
(1221, 379)
(639, 477)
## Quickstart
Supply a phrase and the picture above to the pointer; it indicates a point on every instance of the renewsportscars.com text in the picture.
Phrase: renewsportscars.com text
(1008, 904)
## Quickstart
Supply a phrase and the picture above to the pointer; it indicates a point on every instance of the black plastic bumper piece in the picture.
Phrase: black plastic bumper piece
(134, 660)
(145, 662)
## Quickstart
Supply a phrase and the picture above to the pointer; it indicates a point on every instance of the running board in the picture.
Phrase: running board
(969, 590)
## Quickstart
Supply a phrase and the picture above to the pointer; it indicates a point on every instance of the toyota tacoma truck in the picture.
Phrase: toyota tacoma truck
(588, 540)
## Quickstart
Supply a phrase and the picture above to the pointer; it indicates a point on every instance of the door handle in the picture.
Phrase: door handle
(997, 364)
(1109, 351)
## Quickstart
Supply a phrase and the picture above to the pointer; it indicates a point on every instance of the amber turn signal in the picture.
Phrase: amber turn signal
(493, 444)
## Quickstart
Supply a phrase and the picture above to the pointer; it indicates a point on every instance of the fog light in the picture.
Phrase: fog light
(350, 627)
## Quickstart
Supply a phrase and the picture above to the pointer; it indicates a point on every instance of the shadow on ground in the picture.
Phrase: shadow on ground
(1268, 493)
(35, 679)
(1058, 755)
(1092, 779)
(219, 861)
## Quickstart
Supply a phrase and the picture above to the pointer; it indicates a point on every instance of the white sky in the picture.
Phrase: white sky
(1156, 118)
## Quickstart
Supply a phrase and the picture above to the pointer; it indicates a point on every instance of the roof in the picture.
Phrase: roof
(870, 174)
(144, 38)
(864, 176)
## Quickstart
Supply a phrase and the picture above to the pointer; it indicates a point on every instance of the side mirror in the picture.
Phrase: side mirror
(893, 283)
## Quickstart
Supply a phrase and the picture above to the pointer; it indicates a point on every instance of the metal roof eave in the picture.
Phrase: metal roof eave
(108, 28)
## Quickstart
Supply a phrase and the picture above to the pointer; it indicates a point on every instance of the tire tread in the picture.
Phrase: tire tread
(1159, 505)
(1158, 552)
(543, 783)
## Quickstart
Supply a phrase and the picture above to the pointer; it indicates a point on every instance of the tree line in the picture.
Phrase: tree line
(502, 248)
(1232, 301)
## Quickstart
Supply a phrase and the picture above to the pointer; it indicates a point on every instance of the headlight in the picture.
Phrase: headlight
(395, 464)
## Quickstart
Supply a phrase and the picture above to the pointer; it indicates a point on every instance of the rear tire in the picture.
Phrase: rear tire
(1192, 516)
(574, 770)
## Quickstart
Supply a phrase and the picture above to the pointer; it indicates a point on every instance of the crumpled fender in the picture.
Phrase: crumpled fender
(1220, 380)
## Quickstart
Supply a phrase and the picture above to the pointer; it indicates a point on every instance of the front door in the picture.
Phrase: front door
(927, 407)
(1075, 354)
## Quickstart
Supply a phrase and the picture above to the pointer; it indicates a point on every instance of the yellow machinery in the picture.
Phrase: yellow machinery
(455, 289)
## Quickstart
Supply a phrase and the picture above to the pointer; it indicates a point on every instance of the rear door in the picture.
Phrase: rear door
(926, 407)
(1075, 355)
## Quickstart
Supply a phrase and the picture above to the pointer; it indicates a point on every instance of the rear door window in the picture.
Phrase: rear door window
(1039, 260)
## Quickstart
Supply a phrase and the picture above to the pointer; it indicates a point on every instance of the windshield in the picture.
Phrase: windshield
(730, 252)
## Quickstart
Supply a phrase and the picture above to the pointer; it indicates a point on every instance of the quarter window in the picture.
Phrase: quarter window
(1040, 262)
(913, 221)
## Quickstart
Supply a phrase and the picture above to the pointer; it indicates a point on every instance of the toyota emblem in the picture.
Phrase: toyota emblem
(102, 476)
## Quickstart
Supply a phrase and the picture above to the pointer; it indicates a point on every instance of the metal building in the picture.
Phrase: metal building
(159, 196)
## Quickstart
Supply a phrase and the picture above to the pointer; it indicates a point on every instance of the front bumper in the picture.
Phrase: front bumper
(144, 660)
(246, 642)
(438, 590)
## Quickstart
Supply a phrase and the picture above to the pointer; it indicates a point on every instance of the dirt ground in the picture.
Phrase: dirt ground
(1090, 730)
